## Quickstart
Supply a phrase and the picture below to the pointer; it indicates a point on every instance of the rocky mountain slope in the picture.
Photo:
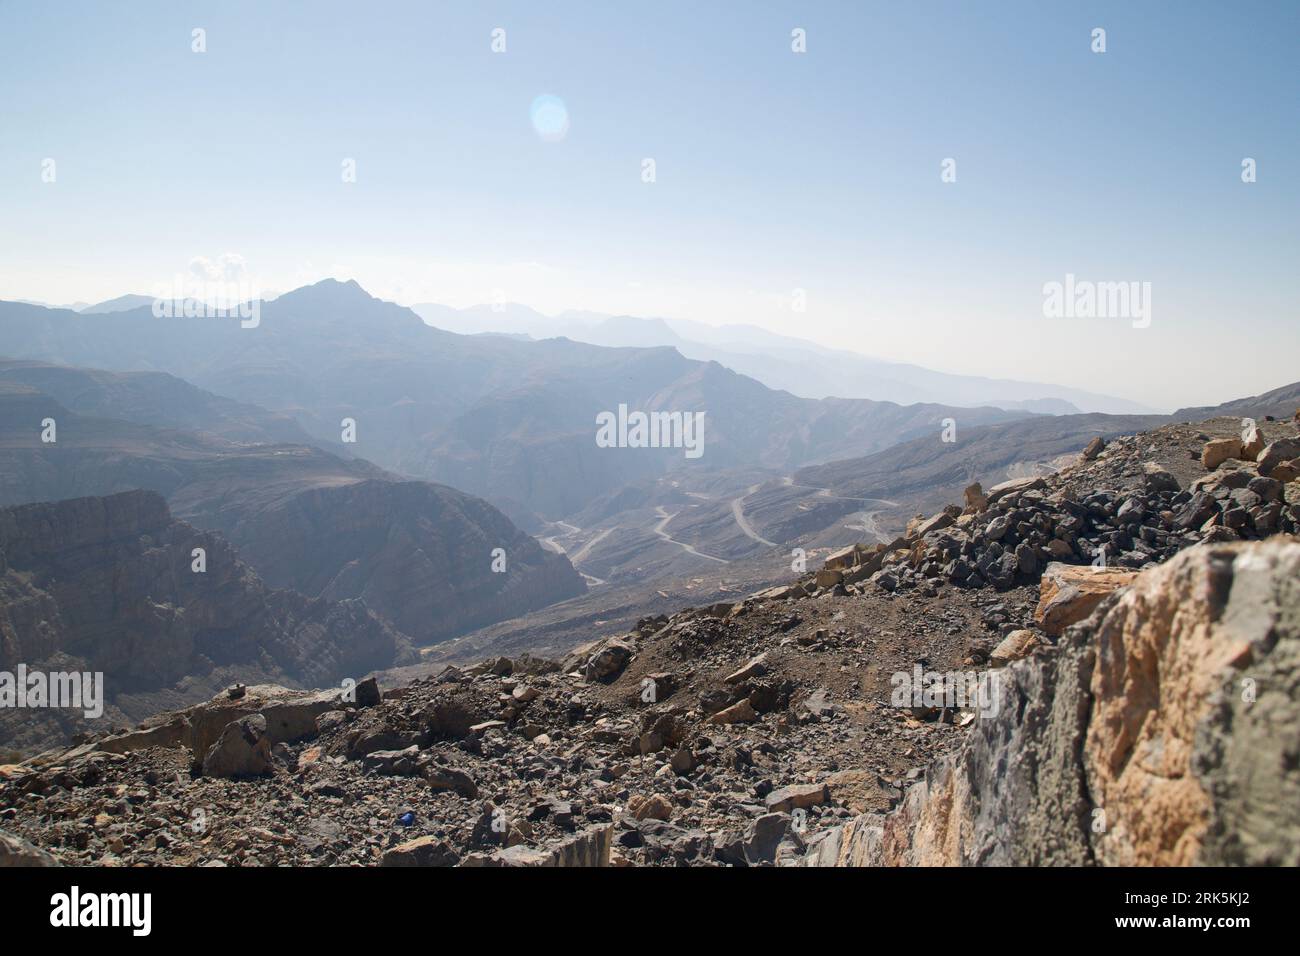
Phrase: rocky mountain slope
(420, 554)
(1159, 732)
(155, 398)
(1133, 712)
(1279, 403)
(108, 585)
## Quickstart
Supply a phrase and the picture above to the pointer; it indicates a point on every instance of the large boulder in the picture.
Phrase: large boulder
(1161, 732)
(242, 750)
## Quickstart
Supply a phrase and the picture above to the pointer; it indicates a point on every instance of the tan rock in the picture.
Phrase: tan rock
(840, 560)
(797, 797)
(1068, 593)
(756, 667)
(741, 712)
(1219, 450)
(870, 565)
(653, 807)
(935, 523)
(15, 851)
(1094, 448)
(1287, 471)
(1162, 655)
(778, 593)
(828, 578)
(976, 500)
(242, 750)
(1014, 646)
(1015, 486)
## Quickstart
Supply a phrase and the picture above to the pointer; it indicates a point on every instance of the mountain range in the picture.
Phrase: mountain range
(512, 421)
(798, 366)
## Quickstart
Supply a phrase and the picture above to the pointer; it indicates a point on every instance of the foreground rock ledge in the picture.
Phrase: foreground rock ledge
(1161, 731)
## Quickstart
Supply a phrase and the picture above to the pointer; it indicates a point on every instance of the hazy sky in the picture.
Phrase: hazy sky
(775, 171)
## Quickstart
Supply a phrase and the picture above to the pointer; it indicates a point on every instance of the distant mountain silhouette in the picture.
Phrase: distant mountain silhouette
(780, 361)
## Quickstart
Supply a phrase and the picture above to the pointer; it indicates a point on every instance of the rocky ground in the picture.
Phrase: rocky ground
(736, 734)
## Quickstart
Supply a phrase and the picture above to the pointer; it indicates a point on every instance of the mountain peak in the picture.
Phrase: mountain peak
(331, 290)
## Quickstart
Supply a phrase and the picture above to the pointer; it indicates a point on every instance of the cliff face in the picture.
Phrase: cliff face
(1161, 731)
(106, 584)
(418, 553)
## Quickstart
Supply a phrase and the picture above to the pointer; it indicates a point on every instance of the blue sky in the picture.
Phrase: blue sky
(775, 171)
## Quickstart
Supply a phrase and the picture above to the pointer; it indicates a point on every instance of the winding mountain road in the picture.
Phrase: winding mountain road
(738, 512)
(690, 549)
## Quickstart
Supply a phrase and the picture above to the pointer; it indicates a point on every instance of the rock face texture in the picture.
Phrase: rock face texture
(1161, 731)
(108, 585)
(418, 553)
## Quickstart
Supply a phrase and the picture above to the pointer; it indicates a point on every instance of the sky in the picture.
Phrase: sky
(799, 191)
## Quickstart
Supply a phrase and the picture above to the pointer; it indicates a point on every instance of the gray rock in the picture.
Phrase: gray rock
(242, 750)
(764, 836)
(15, 851)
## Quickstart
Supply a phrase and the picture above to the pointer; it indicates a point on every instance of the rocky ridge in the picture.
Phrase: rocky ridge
(1132, 503)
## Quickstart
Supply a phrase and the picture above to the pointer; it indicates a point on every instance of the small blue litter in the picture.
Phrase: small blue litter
(406, 819)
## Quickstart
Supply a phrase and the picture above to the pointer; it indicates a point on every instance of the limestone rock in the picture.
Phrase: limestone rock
(1014, 646)
(1069, 593)
(1014, 487)
(1180, 765)
(1252, 442)
(653, 807)
(755, 667)
(738, 713)
(1219, 450)
(797, 797)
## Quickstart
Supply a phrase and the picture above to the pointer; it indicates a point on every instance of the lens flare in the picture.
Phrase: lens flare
(550, 118)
